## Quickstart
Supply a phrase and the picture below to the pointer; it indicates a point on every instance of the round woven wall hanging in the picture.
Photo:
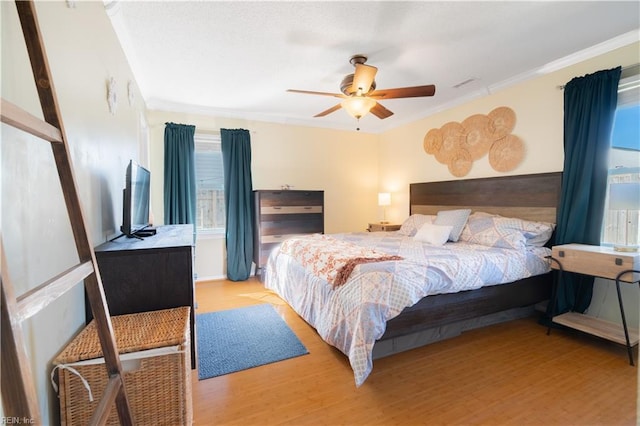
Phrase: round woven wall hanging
(432, 141)
(506, 153)
(458, 145)
(478, 136)
(452, 139)
(502, 122)
(460, 162)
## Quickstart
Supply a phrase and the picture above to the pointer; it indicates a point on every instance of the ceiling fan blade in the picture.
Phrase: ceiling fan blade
(308, 92)
(363, 78)
(405, 92)
(381, 112)
(329, 111)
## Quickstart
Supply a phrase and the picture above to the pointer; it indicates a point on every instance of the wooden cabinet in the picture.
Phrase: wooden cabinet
(383, 227)
(601, 262)
(150, 274)
(283, 214)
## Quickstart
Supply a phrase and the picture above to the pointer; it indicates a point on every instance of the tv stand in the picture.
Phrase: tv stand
(140, 275)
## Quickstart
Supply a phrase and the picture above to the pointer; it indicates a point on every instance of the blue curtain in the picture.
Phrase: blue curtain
(238, 198)
(179, 174)
(589, 109)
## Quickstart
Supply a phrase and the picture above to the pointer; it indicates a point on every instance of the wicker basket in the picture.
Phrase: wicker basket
(155, 355)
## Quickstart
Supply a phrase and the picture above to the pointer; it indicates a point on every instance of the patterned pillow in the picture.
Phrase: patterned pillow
(433, 234)
(454, 218)
(505, 232)
(537, 233)
(411, 225)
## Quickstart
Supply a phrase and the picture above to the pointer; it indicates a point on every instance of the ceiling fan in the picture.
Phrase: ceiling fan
(359, 92)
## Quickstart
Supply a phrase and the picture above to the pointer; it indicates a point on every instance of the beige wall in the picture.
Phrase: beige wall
(538, 105)
(83, 54)
(343, 164)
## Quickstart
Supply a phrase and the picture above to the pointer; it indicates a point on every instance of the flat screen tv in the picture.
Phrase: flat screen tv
(137, 192)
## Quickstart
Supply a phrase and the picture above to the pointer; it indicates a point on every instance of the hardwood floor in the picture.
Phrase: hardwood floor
(506, 374)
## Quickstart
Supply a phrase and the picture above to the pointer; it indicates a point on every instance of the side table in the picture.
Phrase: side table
(383, 227)
(601, 262)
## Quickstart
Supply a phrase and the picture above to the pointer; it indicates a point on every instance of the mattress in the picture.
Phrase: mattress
(352, 316)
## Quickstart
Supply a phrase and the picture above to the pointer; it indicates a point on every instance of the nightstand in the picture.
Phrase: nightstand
(601, 262)
(382, 227)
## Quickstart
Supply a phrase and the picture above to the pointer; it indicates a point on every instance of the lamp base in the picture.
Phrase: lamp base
(626, 249)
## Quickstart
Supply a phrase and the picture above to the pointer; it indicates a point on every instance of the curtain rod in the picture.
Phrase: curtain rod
(214, 131)
(632, 70)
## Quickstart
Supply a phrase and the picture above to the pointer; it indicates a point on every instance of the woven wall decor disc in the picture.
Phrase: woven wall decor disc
(502, 120)
(460, 162)
(432, 141)
(478, 136)
(506, 153)
(452, 139)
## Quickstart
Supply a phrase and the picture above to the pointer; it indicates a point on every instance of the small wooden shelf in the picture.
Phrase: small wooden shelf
(598, 327)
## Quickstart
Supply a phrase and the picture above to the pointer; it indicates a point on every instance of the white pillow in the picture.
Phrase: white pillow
(411, 225)
(435, 235)
(454, 218)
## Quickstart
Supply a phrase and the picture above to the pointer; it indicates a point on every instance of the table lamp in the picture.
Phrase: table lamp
(384, 200)
(625, 196)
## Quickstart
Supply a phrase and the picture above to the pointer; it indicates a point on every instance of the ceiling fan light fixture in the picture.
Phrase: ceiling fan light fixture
(358, 106)
(360, 95)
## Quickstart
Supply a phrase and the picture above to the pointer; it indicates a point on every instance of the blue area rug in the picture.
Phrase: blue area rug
(242, 338)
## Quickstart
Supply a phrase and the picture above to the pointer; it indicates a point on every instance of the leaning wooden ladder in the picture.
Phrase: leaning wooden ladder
(18, 388)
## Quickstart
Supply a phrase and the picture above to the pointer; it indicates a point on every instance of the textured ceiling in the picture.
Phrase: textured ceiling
(237, 59)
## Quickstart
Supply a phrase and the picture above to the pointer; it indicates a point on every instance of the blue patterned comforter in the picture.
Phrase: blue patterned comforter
(353, 316)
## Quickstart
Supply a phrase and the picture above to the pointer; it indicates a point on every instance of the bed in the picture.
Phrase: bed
(394, 296)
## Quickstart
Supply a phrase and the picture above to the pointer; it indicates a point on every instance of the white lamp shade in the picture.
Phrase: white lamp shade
(624, 196)
(358, 106)
(384, 199)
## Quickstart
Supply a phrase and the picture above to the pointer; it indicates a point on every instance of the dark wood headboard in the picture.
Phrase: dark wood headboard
(532, 197)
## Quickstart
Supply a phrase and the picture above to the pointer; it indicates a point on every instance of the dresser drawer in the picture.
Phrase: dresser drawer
(293, 224)
(270, 239)
(291, 198)
(270, 242)
(290, 209)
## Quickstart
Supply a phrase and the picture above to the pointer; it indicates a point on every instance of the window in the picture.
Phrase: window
(210, 214)
(622, 226)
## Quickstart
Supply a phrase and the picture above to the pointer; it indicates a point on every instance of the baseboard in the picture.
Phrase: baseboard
(211, 278)
(222, 276)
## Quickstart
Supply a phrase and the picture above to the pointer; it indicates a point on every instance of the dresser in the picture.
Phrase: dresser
(280, 214)
(149, 274)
